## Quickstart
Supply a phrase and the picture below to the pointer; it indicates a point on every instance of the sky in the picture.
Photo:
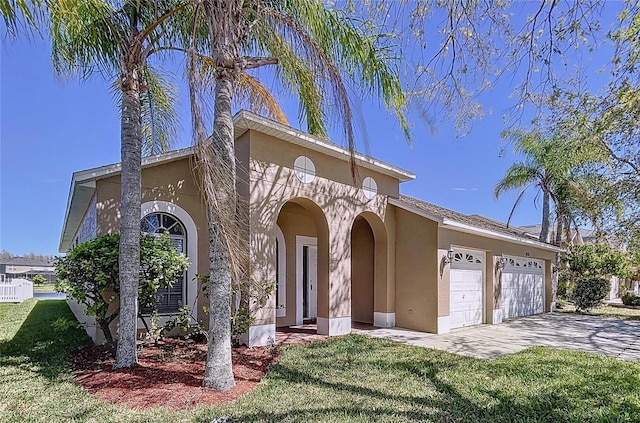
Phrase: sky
(51, 127)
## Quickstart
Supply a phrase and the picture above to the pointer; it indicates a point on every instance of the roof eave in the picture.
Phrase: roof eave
(245, 120)
(415, 210)
(463, 227)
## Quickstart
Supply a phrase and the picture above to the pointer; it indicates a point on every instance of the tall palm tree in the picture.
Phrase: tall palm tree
(534, 171)
(117, 38)
(317, 52)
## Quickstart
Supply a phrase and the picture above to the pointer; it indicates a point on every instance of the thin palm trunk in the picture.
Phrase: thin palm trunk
(560, 227)
(544, 230)
(218, 371)
(130, 203)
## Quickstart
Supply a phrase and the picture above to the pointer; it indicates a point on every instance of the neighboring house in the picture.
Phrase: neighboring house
(25, 268)
(338, 250)
(577, 237)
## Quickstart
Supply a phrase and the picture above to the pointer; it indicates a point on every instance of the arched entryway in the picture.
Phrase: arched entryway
(302, 235)
(370, 299)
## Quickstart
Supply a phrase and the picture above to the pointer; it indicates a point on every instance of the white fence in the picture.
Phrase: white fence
(15, 291)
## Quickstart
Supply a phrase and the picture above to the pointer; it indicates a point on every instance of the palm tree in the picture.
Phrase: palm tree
(533, 172)
(316, 51)
(117, 38)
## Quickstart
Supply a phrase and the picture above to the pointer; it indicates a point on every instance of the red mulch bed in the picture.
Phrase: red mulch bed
(167, 375)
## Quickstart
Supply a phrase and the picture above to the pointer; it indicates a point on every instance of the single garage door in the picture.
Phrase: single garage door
(522, 287)
(466, 307)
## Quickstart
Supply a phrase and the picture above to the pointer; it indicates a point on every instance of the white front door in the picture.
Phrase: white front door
(466, 288)
(522, 287)
(306, 278)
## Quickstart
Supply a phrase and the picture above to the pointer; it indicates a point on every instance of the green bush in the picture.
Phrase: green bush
(566, 282)
(89, 274)
(589, 292)
(630, 299)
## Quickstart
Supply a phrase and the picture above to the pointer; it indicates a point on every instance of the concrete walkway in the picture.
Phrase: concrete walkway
(600, 335)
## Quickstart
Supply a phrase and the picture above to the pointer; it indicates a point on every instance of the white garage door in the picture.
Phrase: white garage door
(522, 287)
(466, 307)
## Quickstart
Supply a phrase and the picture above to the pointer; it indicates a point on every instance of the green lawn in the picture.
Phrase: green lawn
(349, 379)
(47, 287)
(606, 311)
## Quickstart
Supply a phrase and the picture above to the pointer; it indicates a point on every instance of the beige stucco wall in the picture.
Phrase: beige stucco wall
(416, 264)
(332, 201)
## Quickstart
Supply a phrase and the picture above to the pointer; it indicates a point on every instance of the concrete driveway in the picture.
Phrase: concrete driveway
(600, 335)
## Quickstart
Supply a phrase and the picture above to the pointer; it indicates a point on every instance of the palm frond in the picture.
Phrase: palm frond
(517, 176)
(160, 123)
(21, 15)
(258, 97)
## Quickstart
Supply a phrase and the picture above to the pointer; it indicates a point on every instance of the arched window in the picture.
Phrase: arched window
(169, 299)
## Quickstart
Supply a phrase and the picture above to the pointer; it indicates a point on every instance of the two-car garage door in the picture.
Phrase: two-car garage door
(522, 287)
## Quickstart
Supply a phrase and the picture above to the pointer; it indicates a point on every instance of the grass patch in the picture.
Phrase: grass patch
(605, 311)
(44, 288)
(348, 379)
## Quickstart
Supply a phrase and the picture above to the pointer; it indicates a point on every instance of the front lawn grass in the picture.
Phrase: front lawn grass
(605, 311)
(44, 288)
(348, 379)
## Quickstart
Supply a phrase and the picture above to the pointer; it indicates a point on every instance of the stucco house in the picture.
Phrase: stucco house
(338, 250)
(27, 268)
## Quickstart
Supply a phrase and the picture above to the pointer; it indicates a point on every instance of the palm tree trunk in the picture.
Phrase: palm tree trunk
(130, 203)
(560, 227)
(221, 210)
(544, 230)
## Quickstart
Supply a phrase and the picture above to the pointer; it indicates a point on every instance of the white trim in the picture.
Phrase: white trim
(552, 306)
(334, 326)
(444, 324)
(259, 335)
(301, 241)
(191, 284)
(281, 299)
(384, 320)
(414, 210)
(461, 227)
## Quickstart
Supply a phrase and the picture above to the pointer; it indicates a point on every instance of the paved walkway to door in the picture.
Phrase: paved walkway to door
(613, 337)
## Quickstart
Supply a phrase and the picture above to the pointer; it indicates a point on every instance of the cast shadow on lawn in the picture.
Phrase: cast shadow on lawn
(45, 337)
(458, 389)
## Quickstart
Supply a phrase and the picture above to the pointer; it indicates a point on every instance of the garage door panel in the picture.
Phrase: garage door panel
(466, 305)
(522, 287)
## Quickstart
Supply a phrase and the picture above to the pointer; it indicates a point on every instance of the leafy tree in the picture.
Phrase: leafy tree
(317, 51)
(39, 279)
(118, 38)
(89, 274)
(598, 261)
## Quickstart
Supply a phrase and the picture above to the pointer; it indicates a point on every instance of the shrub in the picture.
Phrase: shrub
(629, 298)
(39, 279)
(89, 274)
(566, 282)
(589, 292)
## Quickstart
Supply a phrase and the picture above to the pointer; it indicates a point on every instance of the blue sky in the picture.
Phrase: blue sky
(51, 127)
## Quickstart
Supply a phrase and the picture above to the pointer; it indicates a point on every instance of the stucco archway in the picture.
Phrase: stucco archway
(305, 234)
(369, 285)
